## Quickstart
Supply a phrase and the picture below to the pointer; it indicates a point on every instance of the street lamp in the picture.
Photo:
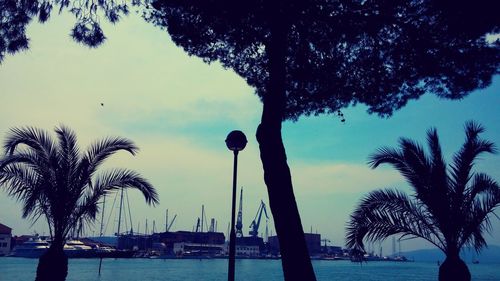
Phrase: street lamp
(235, 141)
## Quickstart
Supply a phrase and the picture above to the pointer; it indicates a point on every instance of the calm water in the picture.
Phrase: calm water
(21, 269)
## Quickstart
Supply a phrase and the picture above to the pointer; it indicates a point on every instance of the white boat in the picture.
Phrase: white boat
(33, 248)
(76, 249)
(104, 249)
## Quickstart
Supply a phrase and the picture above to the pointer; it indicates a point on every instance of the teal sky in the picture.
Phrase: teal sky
(179, 110)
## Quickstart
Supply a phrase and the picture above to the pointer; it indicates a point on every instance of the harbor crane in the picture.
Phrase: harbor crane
(325, 249)
(197, 225)
(171, 223)
(254, 226)
(167, 224)
(239, 220)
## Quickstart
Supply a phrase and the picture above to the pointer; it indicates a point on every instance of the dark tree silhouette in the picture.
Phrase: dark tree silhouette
(312, 57)
(450, 207)
(53, 179)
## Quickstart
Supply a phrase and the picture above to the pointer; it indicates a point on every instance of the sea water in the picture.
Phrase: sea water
(22, 269)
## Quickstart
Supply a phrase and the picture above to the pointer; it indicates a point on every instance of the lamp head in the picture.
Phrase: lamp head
(236, 140)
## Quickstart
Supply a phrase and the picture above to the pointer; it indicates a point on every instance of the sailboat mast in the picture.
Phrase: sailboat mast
(129, 214)
(102, 215)
(120, 213)
(267, 233)
(166, 220)
(202, 214)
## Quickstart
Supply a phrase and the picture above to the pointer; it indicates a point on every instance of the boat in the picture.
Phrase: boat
(33, 248)
(399, 259)
(371, 257)
(36, 247)
(117, 254)
(77, 249)
(196, 254)
(104, 251)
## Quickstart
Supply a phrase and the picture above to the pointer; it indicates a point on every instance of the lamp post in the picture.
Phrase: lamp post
(235, 141)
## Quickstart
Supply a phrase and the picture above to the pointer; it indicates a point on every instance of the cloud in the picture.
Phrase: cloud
(341, 178)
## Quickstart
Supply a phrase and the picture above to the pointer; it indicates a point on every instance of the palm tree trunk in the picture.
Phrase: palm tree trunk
(295, 256)
(53, 264)
(454, 269)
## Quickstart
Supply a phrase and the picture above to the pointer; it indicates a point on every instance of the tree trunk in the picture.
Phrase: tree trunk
(53, 264)
(454, 269)
(294, 254)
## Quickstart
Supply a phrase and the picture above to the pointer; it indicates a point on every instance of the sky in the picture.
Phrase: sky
(179, 110)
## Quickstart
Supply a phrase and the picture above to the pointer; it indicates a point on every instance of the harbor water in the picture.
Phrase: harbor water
(23, 269)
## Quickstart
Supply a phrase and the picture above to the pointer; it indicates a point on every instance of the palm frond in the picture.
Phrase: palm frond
(16, 159)
(18, 165)
(397, 159)
(387, 155)
(124, 178)
(17, 179)
(101, 150)
(21, 171)
(463, 160)
(35, 138)
(68, 152)
(449, 210)
(481, 183)
(26, 186)
(52, 179)
(421, 167)
(476, 220)
(438, 183)
(409, 160)
(383, 213)
(423, 173)
(414, 154)
(110, 181)
(33, 204)
(439, 177)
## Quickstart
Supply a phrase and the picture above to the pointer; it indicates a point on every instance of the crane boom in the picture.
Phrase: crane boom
(254, 226)
(198, 225)
(239, 221)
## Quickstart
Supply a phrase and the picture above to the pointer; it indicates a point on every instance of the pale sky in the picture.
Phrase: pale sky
(179, 110)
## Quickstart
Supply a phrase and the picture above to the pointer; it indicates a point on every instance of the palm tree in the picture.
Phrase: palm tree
(450, 206)
(53, 179)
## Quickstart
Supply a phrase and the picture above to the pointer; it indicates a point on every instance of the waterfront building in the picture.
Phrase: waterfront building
(103, 240)
(5, 237)
(146, 242)
(247, 250)
(190, 237)
(134, 242)
(313, 242)
(334, 250)
(184, 249)
(249, 246)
